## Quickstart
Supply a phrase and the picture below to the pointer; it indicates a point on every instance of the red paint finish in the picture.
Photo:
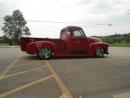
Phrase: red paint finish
(72, 42)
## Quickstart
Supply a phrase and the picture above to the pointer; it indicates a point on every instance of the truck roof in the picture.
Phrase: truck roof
(70, 28)
(73, 27)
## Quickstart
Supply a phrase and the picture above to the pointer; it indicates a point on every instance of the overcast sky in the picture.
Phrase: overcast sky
(92, 15)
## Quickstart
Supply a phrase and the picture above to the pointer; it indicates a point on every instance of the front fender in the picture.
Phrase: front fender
(93, 46)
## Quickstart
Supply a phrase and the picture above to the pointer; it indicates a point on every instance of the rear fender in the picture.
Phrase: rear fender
(48, 44)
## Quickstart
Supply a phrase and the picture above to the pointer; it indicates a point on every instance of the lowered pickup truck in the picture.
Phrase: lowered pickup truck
(72, 42)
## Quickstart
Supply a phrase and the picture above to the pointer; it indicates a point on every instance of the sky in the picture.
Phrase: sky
(96, 17)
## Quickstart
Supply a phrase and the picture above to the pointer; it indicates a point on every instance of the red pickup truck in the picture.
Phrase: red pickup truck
(72, 42)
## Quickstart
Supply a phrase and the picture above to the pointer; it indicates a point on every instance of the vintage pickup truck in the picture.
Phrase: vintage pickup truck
(72, 42)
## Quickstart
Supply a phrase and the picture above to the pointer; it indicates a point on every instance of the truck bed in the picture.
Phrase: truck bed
(60, 44)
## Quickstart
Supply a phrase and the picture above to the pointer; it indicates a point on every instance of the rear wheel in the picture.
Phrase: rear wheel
(99, 52)
(44, 53)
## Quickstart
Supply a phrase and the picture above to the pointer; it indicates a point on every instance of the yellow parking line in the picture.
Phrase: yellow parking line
(22, 72)
(24, 64)
(80, 97)
(25, 86)
(9, 67)
(65, 91)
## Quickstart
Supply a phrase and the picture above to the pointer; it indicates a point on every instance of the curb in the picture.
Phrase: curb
(9, 46)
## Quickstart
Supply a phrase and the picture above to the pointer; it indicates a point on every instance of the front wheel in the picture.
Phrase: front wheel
(44, 53)
(99, 52)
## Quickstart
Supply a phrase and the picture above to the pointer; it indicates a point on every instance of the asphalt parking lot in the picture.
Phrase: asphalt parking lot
(25, 76)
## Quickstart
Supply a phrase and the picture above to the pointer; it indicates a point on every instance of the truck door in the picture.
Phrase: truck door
(78, 42)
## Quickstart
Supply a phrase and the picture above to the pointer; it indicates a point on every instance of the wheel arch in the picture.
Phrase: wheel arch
(93, 46)
(48, 45)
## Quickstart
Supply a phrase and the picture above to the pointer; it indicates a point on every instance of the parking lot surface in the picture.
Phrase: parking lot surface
(25, 76)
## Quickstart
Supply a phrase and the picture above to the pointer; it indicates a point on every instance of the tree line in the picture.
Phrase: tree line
(14, 27)
(116, 38)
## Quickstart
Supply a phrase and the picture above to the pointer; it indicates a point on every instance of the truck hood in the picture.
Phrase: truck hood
(94, 39)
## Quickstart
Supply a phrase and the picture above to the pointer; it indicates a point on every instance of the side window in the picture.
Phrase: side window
(63, 31)
(78, 33)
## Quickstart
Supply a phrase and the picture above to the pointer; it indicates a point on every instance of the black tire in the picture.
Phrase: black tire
(99, 52)
(44, 53)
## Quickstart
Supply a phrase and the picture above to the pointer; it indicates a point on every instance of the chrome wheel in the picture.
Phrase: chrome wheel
(44, 53)
(99, 52)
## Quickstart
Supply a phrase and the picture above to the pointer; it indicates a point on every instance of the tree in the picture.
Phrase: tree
(14, 26)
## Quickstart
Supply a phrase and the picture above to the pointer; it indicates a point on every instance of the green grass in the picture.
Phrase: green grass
(1, 44)
(120, 45)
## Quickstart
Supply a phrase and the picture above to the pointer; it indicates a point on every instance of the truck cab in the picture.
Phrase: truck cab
(76, 40)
